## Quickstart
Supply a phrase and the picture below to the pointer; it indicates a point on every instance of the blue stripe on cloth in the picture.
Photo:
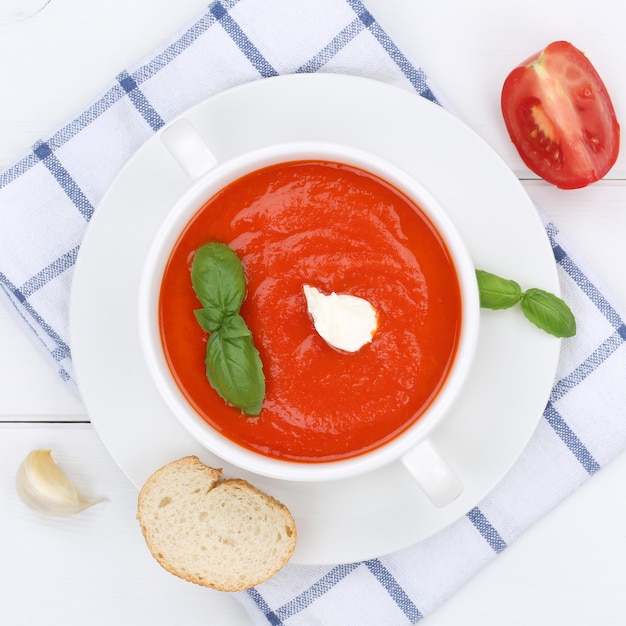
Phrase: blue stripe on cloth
(396, 592)
(234, 31)
(60, 265)
(264, 607)
(137, 97)
(488, 532)
(307, 597)
(21, 167)
(62, 351)
(583, 282)
(44, 153)
(591, 291)
(589, 365)
(171, 52)
(570, 439)
(335, 45)
(89, 115)
(416, 75)
(64, 134)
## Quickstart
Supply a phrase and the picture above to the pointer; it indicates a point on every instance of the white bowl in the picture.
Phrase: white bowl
(209, 177)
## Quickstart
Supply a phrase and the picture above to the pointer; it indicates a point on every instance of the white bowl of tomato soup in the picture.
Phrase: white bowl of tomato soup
(344, 222)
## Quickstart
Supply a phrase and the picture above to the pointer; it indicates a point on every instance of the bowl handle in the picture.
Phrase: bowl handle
(433, 474)
(188, 148)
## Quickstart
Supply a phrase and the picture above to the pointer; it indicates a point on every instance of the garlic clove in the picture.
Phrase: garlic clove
(42, 486)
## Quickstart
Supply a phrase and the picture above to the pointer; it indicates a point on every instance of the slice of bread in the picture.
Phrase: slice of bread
(224, 534)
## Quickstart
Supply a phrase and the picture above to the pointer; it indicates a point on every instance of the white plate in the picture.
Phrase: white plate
(500, 406)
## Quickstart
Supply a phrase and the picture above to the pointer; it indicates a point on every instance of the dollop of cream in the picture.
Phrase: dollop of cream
(344, 321)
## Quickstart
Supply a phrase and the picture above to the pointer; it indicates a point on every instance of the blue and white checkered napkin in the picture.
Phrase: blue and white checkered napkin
(48, 197)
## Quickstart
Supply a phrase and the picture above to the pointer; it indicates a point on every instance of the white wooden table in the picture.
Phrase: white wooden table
(94, 568)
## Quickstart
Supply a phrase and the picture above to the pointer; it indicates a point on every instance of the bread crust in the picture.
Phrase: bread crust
(220, 533)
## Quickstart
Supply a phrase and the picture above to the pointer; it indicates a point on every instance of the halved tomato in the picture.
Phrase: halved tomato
(560, 117)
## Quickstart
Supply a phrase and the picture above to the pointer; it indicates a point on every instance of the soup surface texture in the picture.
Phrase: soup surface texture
(339, 229)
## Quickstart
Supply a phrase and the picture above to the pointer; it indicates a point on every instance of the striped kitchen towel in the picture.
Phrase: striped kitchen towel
(48, 197)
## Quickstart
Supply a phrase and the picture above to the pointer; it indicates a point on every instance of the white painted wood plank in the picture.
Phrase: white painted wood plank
(93, 568)
(30, 388)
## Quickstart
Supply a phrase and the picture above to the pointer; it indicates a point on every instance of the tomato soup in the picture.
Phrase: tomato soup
(339, 229)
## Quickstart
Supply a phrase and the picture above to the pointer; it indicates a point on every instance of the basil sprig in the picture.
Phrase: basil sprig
(233, 365)
(544, 309)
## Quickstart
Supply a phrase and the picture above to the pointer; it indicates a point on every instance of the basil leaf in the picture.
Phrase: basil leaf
(210, 319)
(233, 366)
(549, 313)
(496, 292)
(218, 278)
(234, 326)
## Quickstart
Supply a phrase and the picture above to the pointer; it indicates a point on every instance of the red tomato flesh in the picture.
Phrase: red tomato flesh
(560, 117)
(339, 229)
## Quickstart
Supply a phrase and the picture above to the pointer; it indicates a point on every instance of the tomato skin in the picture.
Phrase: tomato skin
(560, 117)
